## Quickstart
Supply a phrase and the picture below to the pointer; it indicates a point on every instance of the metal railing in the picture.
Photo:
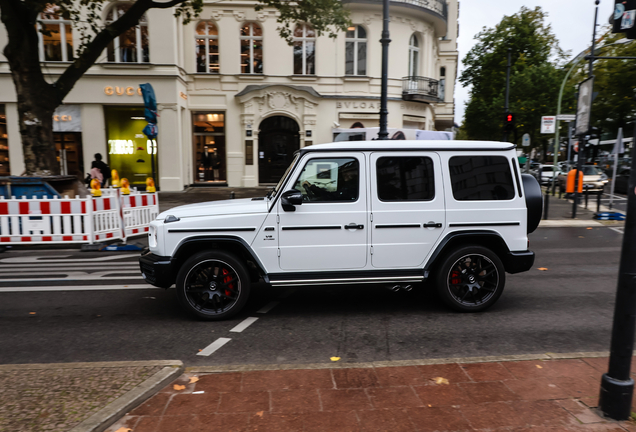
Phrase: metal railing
(417, 87)
(439, 7)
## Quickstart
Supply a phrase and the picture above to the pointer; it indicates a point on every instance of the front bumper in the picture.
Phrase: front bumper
(157, 270)
(517, 262)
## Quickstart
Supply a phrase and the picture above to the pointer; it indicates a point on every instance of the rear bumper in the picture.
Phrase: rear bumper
(157, 270)
(517, 262)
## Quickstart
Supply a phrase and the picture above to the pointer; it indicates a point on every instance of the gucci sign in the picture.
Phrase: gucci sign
(120, 91)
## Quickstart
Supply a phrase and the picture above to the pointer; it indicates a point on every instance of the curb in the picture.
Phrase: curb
(105, 417)
(397, 363)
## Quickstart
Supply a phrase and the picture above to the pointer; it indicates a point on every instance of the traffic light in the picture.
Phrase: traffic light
(624, 17)
(509, 122)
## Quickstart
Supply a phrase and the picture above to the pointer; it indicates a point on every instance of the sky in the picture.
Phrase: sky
(571, 22)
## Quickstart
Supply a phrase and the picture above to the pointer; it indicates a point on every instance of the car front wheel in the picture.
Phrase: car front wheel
(213, 285)
(471, 279)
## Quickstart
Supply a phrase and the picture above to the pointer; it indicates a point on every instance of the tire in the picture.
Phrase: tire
(471, 279)
(213, 285)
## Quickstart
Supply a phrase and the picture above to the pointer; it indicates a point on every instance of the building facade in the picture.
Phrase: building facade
(234, 99)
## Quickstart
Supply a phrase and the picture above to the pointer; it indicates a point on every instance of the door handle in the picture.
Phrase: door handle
(432, 225)
(354, 226)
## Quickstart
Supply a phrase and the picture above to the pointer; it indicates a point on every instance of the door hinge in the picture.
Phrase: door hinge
(371, 216)
(277, 219)
(371, 250)
(278, 252)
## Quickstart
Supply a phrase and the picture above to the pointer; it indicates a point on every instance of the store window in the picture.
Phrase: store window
(304, 50)
(251, 49)
(132, 45)
(414, 56)
(207, 45)
(209, 147)
(4, 144)
(130, 152)
(356, 51)
(55, 36)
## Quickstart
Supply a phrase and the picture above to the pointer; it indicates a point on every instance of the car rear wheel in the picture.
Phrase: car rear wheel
(471, 279)
(213, 285)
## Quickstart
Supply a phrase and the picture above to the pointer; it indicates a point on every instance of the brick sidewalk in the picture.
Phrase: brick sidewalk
(520, 396)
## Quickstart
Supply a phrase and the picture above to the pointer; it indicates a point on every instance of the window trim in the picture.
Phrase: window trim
(302, 169)
(251, 37)
(63, 44)
(414, 51)
(355, 40)
(377, 178)
(304, 39)
(207, 37)
(143, 22)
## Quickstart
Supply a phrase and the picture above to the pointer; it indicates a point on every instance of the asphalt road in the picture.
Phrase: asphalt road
(566, 308)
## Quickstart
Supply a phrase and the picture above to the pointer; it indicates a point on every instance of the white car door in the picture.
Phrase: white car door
(329, 229)
(407, 207)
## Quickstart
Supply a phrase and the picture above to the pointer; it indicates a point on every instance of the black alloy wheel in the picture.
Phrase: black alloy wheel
(213, 285)
(471, 279)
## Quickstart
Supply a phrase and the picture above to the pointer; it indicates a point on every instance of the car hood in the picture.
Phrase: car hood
(213, 208)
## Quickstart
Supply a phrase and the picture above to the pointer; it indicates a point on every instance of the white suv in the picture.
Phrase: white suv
(380, 212)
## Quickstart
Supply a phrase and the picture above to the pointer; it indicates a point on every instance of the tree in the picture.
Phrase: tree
(38, 98)
(535, 77)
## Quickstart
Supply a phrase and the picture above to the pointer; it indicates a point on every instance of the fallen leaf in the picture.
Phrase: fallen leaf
(539, 367)
(335, 358)
(123, 429)
(542, 268)
(581, 237)
(200, 350)
(440, 380)
(589, 228)
(260, 413)
(193, 380)
(430, 406)
(31, 313)
(178, 387)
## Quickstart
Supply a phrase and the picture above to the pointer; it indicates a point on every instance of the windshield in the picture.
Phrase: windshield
(549, 169)
(590, 170)
(274, 191)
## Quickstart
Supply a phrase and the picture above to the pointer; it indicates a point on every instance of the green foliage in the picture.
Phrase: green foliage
(326, 16)
(535, 77)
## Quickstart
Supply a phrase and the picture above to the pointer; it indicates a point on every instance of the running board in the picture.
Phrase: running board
(346, 281)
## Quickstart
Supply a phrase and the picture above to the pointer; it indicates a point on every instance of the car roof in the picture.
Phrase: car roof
(400, 145)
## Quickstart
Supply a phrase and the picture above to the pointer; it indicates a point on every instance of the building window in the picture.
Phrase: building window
(209, 147)
(414, 56)
(304, 50)
(55, 36)
(132, 45)
(251, 49)
(356, 51)
(442, 83)
(207, 48)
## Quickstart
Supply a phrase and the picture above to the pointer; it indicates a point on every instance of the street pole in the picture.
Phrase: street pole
(384, 133)
(617, 386)
(505, 136)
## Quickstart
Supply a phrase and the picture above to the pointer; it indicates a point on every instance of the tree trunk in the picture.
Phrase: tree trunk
(36, 129)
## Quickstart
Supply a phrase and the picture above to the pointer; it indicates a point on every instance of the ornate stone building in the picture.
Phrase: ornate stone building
(235, 100)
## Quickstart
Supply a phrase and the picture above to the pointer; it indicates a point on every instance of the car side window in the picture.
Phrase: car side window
(481, 178)
(329, 180)
(405, 178)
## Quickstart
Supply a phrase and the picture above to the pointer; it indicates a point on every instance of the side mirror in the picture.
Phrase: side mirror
(291, 198)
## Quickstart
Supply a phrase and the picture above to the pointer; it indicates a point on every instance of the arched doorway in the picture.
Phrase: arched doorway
(278, 139)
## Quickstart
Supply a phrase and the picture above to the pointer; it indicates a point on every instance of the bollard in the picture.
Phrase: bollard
(546, 202)
(232, 195)
(598, 201)
(587, 193)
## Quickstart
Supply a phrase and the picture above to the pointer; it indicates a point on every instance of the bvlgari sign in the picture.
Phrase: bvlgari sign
(67, 118)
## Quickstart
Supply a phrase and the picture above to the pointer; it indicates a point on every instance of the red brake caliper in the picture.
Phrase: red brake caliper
(456, 277)
(226, 279)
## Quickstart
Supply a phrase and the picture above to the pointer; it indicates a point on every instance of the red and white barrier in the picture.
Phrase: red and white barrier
(75, 220)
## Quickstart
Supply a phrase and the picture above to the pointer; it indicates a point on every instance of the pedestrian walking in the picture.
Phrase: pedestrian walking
(105, 169)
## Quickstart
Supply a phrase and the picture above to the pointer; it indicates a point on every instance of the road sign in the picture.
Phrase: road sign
(584, 108)
(547, 124)
(566, 117)
(525, 141)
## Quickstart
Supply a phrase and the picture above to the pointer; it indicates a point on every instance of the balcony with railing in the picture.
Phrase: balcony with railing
(437, 8)
(420, 89)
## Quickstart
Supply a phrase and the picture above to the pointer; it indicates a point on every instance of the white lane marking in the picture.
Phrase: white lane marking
(213, 346)
(75, 288)
(619, 230)
(243, 325)
(67, 270)
(64, 266)
(73, 278)
(268, 307)
(42, 259)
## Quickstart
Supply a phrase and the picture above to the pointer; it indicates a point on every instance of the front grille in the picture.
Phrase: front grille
(148, 271)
